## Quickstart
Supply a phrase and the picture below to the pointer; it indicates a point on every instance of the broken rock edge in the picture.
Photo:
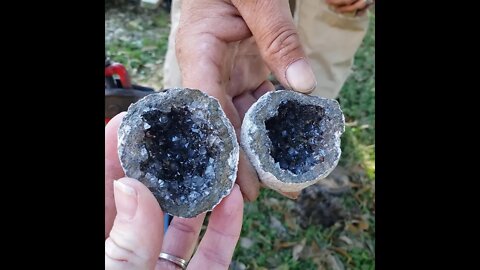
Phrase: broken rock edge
(269, 179)
(232, 160)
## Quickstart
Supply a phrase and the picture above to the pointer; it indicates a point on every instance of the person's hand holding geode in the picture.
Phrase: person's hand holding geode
(226, 49)
(134, 223)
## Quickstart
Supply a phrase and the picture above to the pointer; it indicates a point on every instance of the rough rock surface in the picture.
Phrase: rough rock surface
(292, 139)
(180, 144)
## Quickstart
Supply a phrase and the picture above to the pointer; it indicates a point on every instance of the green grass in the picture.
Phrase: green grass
(143, 56)
(357, 100)
(137, 56)
(349, 244)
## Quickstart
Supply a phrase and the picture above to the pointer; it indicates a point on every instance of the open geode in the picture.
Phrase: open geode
(292, 139)
(180, 144)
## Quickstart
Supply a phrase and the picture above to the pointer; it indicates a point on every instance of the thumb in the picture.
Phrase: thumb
(275, 33)
(136, 237)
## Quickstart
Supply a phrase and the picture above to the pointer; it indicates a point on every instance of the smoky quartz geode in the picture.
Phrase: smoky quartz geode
(292, 139)
(180, 144)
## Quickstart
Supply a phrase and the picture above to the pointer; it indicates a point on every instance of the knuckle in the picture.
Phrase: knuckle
(183, 227)
(116, 252)
(281, 41)
(214, 257)
(125, 244)
(120, 254)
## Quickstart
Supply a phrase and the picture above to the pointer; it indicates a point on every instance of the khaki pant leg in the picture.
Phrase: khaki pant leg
(330, 41)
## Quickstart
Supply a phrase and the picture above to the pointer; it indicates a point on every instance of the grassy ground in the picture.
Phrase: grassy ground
(271, 235)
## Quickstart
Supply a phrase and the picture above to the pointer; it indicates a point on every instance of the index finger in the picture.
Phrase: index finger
(113, 169)
(216, 248)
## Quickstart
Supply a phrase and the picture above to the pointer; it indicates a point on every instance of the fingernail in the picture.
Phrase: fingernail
(125, 200)
(300, 76)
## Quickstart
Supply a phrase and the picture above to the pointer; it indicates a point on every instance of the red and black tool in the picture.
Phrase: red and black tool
(119, 90)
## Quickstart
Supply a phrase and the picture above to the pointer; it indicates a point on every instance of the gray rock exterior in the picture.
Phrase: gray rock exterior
(180, 144)
(307, 150)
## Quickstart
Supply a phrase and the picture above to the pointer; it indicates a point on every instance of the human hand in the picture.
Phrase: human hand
(227, 49)
(347, 6)
(134, 223)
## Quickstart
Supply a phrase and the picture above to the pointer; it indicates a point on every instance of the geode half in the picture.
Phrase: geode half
(292, 139)
(180, 144)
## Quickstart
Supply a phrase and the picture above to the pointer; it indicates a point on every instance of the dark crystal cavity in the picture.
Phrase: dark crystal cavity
(179, 153)
(296, 136)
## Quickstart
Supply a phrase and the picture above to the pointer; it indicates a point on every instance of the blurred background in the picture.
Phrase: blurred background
(330, 226)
